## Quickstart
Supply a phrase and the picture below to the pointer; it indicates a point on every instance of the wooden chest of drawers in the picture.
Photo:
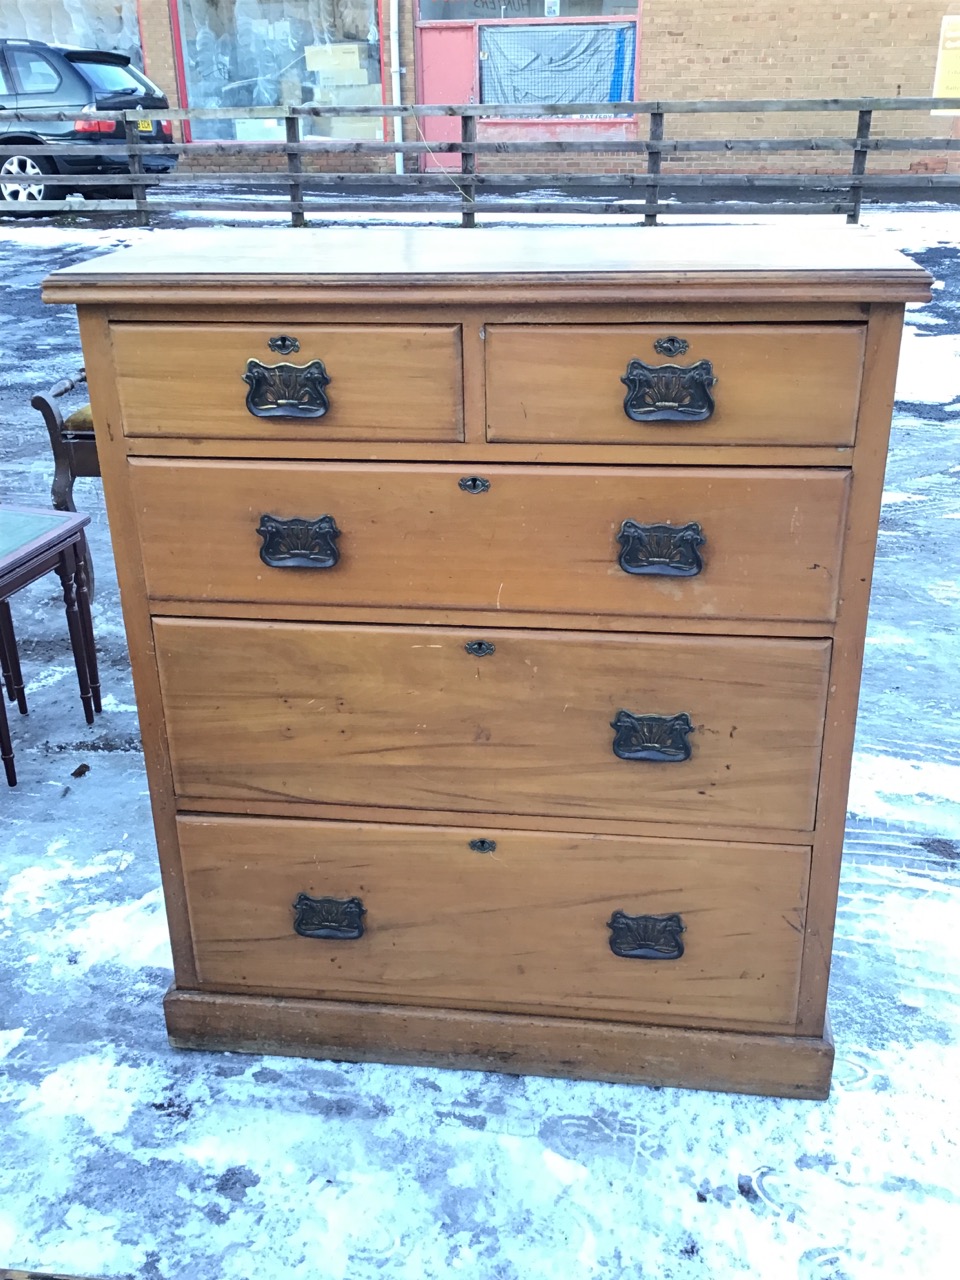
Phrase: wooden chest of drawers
(496, 602)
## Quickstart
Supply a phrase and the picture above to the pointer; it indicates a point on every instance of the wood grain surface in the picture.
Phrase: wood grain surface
(405, 716)
(740, 1062)
(401, 382)
(539, 540)
(776, 384)
(522, 928)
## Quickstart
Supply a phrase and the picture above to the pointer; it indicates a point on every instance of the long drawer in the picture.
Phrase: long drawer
(695, 543)
(701, 384)
(635, 727)
(338, 382)
(669, 931)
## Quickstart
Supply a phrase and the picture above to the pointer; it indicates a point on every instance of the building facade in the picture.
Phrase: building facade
(237, 53)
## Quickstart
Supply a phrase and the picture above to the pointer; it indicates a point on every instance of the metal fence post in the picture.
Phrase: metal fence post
(864, 120)
(132, 135)
(295, 170)
(654, 156)
(468, 167)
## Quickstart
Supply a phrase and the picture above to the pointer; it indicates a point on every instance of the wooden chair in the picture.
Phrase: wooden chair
(74, 447)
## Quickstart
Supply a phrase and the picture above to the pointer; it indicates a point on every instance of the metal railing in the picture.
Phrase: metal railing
(472, 193)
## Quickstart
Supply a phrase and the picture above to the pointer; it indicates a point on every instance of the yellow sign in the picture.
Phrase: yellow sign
(946, 78)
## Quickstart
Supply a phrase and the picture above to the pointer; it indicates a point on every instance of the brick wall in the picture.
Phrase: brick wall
(714, 49)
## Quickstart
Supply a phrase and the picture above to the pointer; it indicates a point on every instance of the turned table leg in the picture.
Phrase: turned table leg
(10, 659)
(86, 622)
(66, 572)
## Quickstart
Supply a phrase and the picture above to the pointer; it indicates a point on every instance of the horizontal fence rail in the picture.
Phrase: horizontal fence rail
(297, 191)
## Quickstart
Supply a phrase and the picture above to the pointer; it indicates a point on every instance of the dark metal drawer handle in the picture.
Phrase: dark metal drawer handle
(668, 392)
(480, 648)
(299, 544)
(646, 937)
(666, 550)
(645, 737)
(287, 390)
(340, 918)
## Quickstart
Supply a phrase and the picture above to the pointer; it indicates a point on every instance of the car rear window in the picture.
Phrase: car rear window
(108, 77)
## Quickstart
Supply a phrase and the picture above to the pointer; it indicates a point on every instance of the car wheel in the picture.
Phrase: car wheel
(22, 182)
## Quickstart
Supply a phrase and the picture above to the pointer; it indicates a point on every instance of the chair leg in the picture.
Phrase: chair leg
(66, 572)
(6, 748)
(10, 659)
(86, 623)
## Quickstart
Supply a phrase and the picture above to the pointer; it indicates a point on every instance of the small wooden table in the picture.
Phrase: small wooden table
(34, 541)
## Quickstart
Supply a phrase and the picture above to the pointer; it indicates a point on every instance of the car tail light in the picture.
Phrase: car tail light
(88, 124)
(166, 129)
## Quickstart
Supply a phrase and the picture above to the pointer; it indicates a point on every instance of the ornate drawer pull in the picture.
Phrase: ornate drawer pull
(299, 544)
(287, 390)
(480, 648)
(668, 392)
(646, 937)
(474, 484)
(667, 550)
(645, 737)
(340, 918)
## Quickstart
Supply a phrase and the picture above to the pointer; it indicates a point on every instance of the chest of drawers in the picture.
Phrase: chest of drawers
(496, 603)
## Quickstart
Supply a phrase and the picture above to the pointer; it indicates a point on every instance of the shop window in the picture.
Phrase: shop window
(268, 53)
(494, 10)
(557, 62)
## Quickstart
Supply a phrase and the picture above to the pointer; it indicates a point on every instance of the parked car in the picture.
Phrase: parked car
(80, 83)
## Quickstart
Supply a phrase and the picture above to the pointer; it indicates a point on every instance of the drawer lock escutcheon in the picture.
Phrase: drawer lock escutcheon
(480, 648)
(284, 345)
(338, 918)
(663, 550)
(646, 937)
(648, 737)
(299, 544)
(483, 846)
(474, 484)
(287, 390)
(668, 392)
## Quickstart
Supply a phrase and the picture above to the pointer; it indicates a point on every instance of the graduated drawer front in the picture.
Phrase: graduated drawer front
(776, 384)
(402, 382)
(406, 717)
(522, 927)
(536, 540)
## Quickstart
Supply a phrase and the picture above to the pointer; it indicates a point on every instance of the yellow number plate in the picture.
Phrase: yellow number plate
(145, 126)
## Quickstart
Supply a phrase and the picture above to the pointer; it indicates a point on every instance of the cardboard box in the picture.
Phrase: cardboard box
(355, 128)
(350, 95)
(329, 57)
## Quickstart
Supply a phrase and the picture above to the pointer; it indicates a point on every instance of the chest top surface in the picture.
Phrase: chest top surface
(839, 262)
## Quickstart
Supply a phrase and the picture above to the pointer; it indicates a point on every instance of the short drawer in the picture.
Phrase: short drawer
(311, 382)
(663, 931)
(627, 543)
(624, 726)
(720, 384)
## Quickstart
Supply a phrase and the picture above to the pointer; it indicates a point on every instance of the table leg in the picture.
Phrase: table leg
(86, 622)
(6, 748)
(10, 659)
(66, 572)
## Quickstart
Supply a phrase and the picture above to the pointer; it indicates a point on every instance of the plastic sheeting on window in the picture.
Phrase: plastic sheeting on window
(110, 25)
(574, 62)
(268, 53)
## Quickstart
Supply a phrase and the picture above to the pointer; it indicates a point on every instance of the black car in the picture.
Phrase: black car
(80, 83)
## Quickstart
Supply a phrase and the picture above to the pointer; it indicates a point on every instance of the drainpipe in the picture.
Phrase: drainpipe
(395, 79)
